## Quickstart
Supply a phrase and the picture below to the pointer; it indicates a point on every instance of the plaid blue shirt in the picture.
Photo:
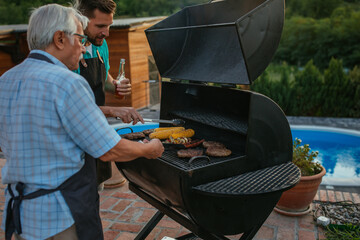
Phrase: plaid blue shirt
(48, 118)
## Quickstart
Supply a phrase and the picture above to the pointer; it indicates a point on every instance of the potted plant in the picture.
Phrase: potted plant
(296, 201)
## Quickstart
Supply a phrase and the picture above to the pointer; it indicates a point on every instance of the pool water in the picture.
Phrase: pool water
(339, 152)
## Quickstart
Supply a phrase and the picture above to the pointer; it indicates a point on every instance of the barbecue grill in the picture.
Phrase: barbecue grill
(205, 50)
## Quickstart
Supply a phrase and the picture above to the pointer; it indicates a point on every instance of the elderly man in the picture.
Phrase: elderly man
(48, 121)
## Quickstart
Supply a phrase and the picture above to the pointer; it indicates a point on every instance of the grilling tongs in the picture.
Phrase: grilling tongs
(175, 122)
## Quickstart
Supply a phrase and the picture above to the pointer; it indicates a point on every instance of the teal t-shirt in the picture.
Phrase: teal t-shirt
(104, 53)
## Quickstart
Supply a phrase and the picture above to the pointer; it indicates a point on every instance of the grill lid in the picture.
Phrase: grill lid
(228, 42)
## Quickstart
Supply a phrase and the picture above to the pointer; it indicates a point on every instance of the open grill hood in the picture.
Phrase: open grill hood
(229, 42)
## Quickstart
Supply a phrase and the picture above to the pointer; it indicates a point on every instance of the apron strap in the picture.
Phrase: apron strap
(13, 222)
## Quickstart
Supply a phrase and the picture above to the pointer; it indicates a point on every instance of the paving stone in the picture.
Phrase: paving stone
(276, 219)
(321, 234)
(265, 232)
(147, 214)
(339, 196)
(331, 195)
(356, 197)
(111, 235)
(121, 205)
(306, 235)
(127, 227)
(306, 222)
(347, 196)
(168, 224)
(129, 215)
(126, 236)
(153, 234)
(105, 224)
(285, 234)
(109, 203)
(124, 195)
(142, 204)
(323, 196)
(106, 214)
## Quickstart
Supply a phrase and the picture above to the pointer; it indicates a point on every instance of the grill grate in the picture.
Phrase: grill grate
(270, 179)
(215, 120)
(171, 157)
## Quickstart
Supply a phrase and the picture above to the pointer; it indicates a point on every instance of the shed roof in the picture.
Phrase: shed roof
(118, 23)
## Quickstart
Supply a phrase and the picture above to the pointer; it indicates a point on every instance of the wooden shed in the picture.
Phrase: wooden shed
(127, 40)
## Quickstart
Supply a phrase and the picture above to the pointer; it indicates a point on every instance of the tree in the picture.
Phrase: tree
(355, 84)
(337, 92)
(18, 11)
(307, 91)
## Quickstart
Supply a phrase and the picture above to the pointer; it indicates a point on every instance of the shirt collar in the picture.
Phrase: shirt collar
(51, 57)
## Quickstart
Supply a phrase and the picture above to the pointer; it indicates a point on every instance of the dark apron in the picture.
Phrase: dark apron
(95, 75)
(80, 194)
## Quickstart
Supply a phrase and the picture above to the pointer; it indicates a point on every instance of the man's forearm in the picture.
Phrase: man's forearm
(109, 86)
(106, 111)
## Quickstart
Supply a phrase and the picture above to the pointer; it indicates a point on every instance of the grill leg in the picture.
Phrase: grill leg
(250, 234)
(179, 218)
(149, 226)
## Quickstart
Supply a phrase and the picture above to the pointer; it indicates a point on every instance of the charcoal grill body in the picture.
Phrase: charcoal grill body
(225, 43)
(257, 132)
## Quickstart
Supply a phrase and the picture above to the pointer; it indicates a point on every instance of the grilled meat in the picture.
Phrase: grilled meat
(148, 131)
(189, 153)
(132, 136)
(207, 144)
(214, 151)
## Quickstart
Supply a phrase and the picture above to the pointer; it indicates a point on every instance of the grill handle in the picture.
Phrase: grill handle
(197, 157)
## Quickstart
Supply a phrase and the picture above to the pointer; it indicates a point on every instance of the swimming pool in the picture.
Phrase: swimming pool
(339, 149)
(339, 152)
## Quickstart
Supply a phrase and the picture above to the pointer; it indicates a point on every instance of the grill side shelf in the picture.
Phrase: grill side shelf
(277, 178)
(215, 120)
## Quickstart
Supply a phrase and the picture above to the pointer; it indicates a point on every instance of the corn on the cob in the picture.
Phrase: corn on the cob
(164, 134)
(188, 133)
(168, 128)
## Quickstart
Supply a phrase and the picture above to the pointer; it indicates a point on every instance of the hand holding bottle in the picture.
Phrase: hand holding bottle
(122, 87)
(122, 84)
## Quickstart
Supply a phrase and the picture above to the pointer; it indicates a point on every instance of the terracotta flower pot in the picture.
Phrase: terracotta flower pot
(296, 201)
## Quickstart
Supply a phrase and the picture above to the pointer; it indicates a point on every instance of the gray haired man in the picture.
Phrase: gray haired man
(49, 125)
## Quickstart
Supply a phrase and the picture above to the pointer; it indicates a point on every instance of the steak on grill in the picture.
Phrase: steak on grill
(148, 131)
(207, 144)
(214, 151)
(132, 136)
(189, 153)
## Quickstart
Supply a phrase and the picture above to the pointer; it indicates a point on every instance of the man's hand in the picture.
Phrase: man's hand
(127, 114)
(126, 150)
(156, 149)
(124, 88)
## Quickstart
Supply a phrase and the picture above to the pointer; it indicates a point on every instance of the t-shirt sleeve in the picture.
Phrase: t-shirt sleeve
(83, 119)
(105, 50)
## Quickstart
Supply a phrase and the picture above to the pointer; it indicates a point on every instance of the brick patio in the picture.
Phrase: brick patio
(124, 214)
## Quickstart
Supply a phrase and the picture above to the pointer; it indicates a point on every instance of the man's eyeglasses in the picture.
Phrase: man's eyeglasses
(83, 38)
